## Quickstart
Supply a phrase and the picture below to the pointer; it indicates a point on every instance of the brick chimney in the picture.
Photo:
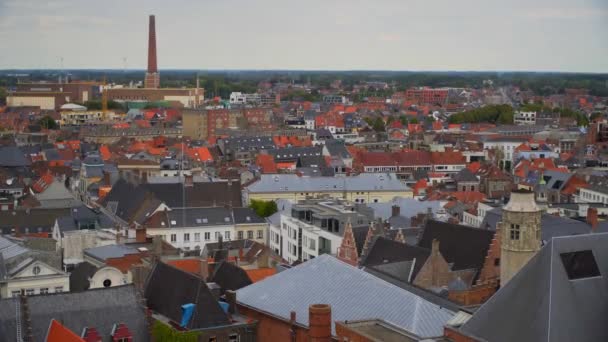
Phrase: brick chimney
(319, 323)
(395, 210)
(592, 218)
(106, 179)
(231, 300)
(140, 235)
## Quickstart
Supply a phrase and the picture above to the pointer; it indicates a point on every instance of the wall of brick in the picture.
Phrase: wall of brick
(274, 329)
(456, 336)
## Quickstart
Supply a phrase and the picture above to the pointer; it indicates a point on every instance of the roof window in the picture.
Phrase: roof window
(580, 264)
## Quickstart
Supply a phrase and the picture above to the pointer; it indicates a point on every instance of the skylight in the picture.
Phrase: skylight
(580, 264)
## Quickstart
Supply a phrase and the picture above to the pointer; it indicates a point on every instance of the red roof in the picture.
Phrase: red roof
(474, 166)
(414, 128)
(59, 333)
(105, 153)
(260, 274)
(43, 182)
(266, 163)
(573, 184)
(200, 154)
(188, 265)
(448, 157)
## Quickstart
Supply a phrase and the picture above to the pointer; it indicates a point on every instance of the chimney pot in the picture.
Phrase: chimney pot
(231, 300)
(592, 218)
(319, 322)
(292, 316)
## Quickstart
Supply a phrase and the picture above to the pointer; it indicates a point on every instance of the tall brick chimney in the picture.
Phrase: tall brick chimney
(395, 210)
(319, 323)
(592, 218)
(152, 79)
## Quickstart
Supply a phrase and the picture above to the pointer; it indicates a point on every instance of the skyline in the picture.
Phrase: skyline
(237, 35)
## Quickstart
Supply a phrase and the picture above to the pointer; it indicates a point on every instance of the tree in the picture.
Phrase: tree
(3, 94)
(378, 125)
(263, 208)
(48, 123)
(403, 120)
(414, 121)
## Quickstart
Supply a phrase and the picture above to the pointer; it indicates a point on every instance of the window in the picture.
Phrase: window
(234, 338)
(58, 289)
(217, 235)
(250, 234)
(580, 264)
(107, 283)
(207, 236)
(29, 292)
(16, 293)
(240, 234)
(186, 237)
(173, 237)
(36, 270)
(497, 262)
(260, 234)
(515, 232)
(44, 290)
(197, 237)
(227, 235)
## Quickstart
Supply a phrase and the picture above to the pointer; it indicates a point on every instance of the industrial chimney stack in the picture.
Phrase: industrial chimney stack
(152, 79)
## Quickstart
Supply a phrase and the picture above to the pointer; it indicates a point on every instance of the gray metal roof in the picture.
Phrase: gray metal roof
(110, 251)
(550, 225)
(540, 303)
(10, 249)
(295, 183)
(352, 293)
(409, 207)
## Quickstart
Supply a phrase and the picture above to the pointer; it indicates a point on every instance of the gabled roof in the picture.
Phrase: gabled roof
(463, 246)
(352, 293)
(168, 288)
(230, 277)
(541, 303)
(385, 251)
(59, 333)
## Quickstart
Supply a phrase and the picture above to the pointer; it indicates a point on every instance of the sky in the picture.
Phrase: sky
(463, 35)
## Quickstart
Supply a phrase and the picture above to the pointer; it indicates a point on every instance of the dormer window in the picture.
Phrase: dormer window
(580, 265)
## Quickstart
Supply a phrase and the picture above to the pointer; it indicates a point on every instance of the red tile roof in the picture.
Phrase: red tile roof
(59, 333)
(266, 163)
(260, 274)
(448, 157)
(188, 265)
(105, 153)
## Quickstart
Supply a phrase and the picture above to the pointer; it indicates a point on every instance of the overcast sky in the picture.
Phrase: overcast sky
(535, 35)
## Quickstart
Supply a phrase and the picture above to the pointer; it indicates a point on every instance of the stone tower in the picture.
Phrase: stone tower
(520, 230)
(152, 79)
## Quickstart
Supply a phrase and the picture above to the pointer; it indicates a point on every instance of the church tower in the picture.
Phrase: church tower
(520, 229)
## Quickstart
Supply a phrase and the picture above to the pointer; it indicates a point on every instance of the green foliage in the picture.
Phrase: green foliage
(3, 94)
(414, 121)
(263, 208)
(96, 105)
(581, 119)
(378, 125)
(164, 333)
(501, 114)
(403, 120)
(48, 123)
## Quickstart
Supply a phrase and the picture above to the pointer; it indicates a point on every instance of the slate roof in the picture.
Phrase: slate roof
(352, 293)
(465, 175)
(11, 156)
(463, 246)
(386, 251)
(540, 303)
(134, 201)
(168, 288)
(33, 220)
(294, 183)
(103, 253)
(246, 216)
(550, 225)
(99, 308)
(337, 148)
(230, 277)
(293, 153)
(409, 207)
